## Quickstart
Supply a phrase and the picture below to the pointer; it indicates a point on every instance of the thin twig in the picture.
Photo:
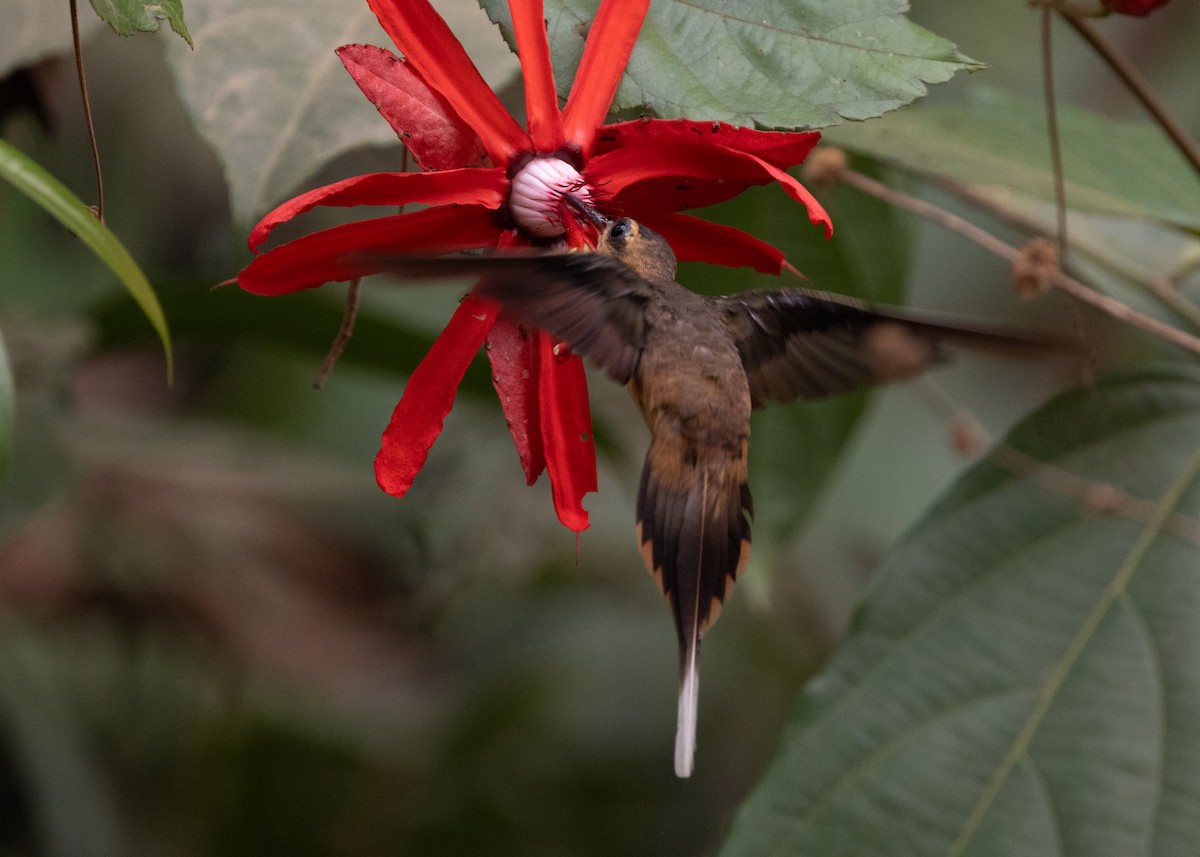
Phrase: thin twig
(349, 313)
(87, 110)
(969, 436)
(1056, 163)
(1161, 287)
(1139, 86)
(1006, 251)
(345, 331)
(1101, 497)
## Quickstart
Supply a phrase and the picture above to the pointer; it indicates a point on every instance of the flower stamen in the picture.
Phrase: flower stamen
(536, 195)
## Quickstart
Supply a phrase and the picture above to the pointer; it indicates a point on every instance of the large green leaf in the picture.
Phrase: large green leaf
(266, 89)
(1123, 169)
(68, 209)
(1022, 679)
(127, 17)
(764, 63)
(34, 29)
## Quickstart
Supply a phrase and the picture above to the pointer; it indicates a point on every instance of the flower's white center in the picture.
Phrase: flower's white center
(536, 195)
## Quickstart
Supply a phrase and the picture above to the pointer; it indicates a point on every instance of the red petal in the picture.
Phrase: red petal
(781, 148)
(426, 42)
(473, 186)
(1141, 8)
(513, 351)
(329, 255)
(541, 98)
(567, 433)
(417, 420)
(610, 42)
(682, 163)
(696, 240)
(435, 135)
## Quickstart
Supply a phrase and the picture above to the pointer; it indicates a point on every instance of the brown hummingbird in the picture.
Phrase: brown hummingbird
(696, 366)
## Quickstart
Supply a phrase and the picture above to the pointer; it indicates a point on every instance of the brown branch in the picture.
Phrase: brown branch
(1100, 497)
(345, 331)
(349, 314)
(968, 437)
(1056, 163)
(1006, 251)
(1161, 287)
(1139, 86)
(87, 110)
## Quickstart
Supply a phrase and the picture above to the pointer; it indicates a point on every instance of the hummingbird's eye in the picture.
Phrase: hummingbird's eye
(622, 229)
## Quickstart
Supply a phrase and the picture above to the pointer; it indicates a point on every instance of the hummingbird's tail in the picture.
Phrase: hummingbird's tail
(694, 532)
(689, 703)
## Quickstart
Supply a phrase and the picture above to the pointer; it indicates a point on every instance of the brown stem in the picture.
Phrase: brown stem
(1161, 287)
(87, 110)
(991, 243)
(1099, 497)
(1056, 164)
(1139, 86)
(345, 331)
(349, 316)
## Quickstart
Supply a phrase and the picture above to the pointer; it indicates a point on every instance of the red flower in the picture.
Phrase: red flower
(493, 184)
(1140, 8)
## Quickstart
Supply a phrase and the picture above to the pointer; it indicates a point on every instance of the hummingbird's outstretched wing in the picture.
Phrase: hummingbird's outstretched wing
(594, 303)
(797, 343)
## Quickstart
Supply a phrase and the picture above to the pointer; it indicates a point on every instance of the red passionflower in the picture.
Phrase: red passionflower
(491, 183)
(1141, 8)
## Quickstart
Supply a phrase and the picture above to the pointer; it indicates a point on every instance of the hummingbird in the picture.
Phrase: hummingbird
(697, 366)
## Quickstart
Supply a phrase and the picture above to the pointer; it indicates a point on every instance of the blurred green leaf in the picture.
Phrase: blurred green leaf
(1022, 678)
(75, 810)
(68, 209)
(127, 17)
(266, 89)
(1118, 168)
(34, 29)
(305, 323)
(7, 407)
(768, 63)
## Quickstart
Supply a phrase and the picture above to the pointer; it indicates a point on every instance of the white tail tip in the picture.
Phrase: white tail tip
(685, 732)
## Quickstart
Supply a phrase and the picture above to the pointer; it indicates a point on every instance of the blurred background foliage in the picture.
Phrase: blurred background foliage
(218, 637)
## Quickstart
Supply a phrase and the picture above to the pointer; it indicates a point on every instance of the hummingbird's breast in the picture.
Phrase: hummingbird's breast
(690, 379)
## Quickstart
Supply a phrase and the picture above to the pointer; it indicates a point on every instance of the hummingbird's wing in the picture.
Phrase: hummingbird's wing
(797, 343)
(594, 303)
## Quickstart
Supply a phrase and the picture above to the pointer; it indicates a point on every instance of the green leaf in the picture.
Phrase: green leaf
(127, 17)
(7, 408)
(1123, 169)
(1022, 679)
(764, 63)
(34, 29)
(266, 89)
(304, 323)
(69, 210)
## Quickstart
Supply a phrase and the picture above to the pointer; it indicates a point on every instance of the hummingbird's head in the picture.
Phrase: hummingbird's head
(639, 247)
